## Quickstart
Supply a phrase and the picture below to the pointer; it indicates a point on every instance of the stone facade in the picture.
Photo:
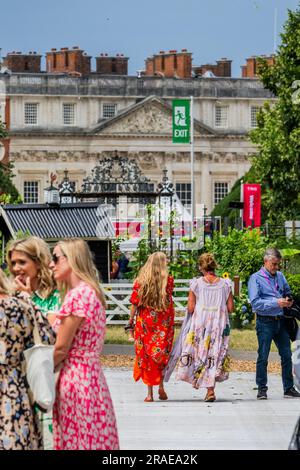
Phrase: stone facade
(140, 127)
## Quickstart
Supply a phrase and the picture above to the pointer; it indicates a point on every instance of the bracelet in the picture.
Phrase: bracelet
(128, 327)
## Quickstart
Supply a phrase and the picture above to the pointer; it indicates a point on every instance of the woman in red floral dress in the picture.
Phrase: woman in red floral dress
(152, 305)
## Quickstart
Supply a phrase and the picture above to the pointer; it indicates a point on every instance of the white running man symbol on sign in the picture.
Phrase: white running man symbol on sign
(180, 117)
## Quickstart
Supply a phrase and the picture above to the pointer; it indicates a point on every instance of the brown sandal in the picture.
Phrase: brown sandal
(210, 397)
(148, 399)
(162, 395)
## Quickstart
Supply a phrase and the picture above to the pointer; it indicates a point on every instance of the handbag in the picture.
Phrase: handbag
(40, 371)
(293, 311)
(291, 315)
(291, 326)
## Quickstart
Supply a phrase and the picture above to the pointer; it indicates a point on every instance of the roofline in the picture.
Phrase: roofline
(140, 104)
(47, 206)
(6, 219)
(105, 239)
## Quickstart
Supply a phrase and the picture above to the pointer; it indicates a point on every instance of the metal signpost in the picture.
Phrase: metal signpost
(183, 133)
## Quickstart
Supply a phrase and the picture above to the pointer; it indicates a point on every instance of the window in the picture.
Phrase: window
(31, 192)
(183, 191)
(221, 116)
(31, 114)
(220, 191)
(109, 110)
(253, 115)
(69, 114)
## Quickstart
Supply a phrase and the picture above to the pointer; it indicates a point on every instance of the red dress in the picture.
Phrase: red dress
(153, 334)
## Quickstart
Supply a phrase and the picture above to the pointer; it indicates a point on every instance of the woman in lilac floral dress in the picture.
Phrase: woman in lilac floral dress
(204, 359)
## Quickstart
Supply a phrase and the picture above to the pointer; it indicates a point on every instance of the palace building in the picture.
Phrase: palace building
(70, 117)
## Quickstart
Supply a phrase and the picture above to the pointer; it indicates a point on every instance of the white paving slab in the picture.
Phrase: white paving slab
(235, 421)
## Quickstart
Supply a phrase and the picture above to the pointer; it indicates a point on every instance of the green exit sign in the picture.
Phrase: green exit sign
(181, 120)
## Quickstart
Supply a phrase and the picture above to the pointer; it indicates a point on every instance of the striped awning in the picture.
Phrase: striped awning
(50, 222)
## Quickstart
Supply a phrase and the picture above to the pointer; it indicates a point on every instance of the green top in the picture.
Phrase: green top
(47, 305)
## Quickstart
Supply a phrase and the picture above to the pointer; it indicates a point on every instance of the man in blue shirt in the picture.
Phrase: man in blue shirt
(269, 293)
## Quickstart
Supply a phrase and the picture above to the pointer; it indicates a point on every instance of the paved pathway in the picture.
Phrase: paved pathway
(236, 421)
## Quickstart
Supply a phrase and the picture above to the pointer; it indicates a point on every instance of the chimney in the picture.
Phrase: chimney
(23, 63)
(251, 69)
(170, 64)
(221, 69)
(74, 61)
(109, 65)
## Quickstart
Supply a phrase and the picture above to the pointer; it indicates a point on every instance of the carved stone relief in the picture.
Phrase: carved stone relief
(148, 120)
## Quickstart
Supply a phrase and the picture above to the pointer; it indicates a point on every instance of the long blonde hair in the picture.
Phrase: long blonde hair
(38, 251)
(81, 262)
(5, 285)
(152, 280)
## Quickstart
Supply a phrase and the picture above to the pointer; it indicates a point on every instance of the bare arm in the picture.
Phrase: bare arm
(133, 310)
(67, 330)
(191, 302)
(230, 303)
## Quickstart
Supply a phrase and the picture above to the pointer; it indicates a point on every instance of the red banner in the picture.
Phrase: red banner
(252, 205)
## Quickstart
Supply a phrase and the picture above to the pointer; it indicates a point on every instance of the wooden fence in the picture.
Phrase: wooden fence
(118, 304)
(118, 294)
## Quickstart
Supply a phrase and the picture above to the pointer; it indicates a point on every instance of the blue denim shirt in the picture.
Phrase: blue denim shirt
(264, 293)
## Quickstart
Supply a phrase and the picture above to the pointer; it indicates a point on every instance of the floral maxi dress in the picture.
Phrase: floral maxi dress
(204, 359)
(83, 414)
(19, 423)
(153, 334)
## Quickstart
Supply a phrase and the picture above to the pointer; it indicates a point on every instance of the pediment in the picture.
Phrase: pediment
(151, 116)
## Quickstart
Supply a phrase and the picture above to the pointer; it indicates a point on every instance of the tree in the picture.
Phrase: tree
(8, 192)
(277, 163)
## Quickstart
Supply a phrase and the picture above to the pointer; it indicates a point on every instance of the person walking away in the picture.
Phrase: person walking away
(204, 358)
(154, 328)
(269, 293)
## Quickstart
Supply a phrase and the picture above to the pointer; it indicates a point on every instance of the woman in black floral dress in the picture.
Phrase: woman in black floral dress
(19, 424)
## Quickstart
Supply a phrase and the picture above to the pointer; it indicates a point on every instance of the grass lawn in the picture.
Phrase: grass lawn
(242, 340)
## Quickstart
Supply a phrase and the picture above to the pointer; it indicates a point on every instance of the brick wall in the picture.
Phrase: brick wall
(170, 64)
(20, 63)
(68, 60)
(250, 70)
(109, 65)
(221, 69)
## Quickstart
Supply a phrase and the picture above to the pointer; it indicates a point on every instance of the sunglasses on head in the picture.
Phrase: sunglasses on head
(55, 258)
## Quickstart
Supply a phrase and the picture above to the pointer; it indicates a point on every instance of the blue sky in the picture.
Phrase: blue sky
(210, 29)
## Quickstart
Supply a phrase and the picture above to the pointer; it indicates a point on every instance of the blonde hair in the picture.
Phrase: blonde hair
(5, 285)
(152, 279)
(81, 262)
(207, 262)
(38, 251)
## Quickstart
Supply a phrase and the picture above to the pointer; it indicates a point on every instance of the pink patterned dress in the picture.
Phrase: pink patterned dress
(83, 414)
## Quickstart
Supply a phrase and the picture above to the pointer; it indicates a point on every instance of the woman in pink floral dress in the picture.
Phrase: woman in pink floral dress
(204, 357)
(83, 414)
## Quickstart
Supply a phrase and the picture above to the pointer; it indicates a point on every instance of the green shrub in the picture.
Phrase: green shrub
(243, 316)
(294, 283)
(239, 253)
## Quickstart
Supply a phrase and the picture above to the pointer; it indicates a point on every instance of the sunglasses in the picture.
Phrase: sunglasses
(55, 258)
